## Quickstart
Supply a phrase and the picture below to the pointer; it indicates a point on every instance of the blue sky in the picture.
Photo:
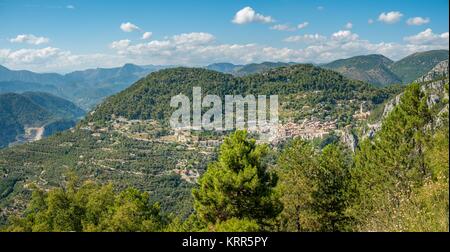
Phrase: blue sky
(64, 35)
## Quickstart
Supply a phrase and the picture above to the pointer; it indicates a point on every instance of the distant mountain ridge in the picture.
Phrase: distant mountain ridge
(19, 112)
(380, 70)
(85, 88)
(439, 71)
(418, 64)
(372, 68)
(89, 87)
(242, 70)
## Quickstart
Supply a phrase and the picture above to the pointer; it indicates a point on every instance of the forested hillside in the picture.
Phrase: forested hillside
(382, 71)
(34, 110)
(413, 66)
(371, 68)
(319, 88)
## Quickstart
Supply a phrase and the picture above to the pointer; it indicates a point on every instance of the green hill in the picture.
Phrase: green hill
(369, 68)
(413, 66)
(32, 110)
(149, 97)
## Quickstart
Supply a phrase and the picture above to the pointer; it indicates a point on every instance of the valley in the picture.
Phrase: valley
(31, 135)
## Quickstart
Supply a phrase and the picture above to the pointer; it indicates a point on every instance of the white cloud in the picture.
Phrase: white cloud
(370, 21)
(147, 35)
(306, 38)
(282, 27)
(70, 7)
(31, 55)
(349, 26)
(199, 48)
(390, 17)
(51, 59)
(248, 15)
(193, 38)
(320, 8)
(128, 27)
(344, 35)
(427, 37)
(30, 39)
(120, 44)
(418, 21)
(302, 25)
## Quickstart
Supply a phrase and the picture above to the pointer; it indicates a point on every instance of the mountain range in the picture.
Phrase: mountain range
(380, 70)
(85, 88)
(89, 87)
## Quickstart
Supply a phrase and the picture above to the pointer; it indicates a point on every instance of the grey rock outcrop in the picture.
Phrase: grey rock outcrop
(439, 71)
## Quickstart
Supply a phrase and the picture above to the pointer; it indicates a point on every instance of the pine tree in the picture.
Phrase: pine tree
(296, 167)
(237, 186)
(334, 191)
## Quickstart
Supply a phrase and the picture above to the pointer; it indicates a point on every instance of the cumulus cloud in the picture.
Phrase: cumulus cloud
(120, 44)
(248, 15)
(199, 48)
(302, 25)
(282, 27)
(390, 17)
(147, 35)
(306, 38)
(128, 27)
(348, 26)
(427, 37)
(51, 59)
(370, 21)
(344, 35)
(418, 21)
(202, 48)
(29, 39)
(32, 55)
(193, 38)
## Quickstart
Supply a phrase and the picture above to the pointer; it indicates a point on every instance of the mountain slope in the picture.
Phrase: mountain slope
(20, 87)
(369, 68)
(413, 66)
(439, 71)
(28, 76)
(85, 88)
(19, 112)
